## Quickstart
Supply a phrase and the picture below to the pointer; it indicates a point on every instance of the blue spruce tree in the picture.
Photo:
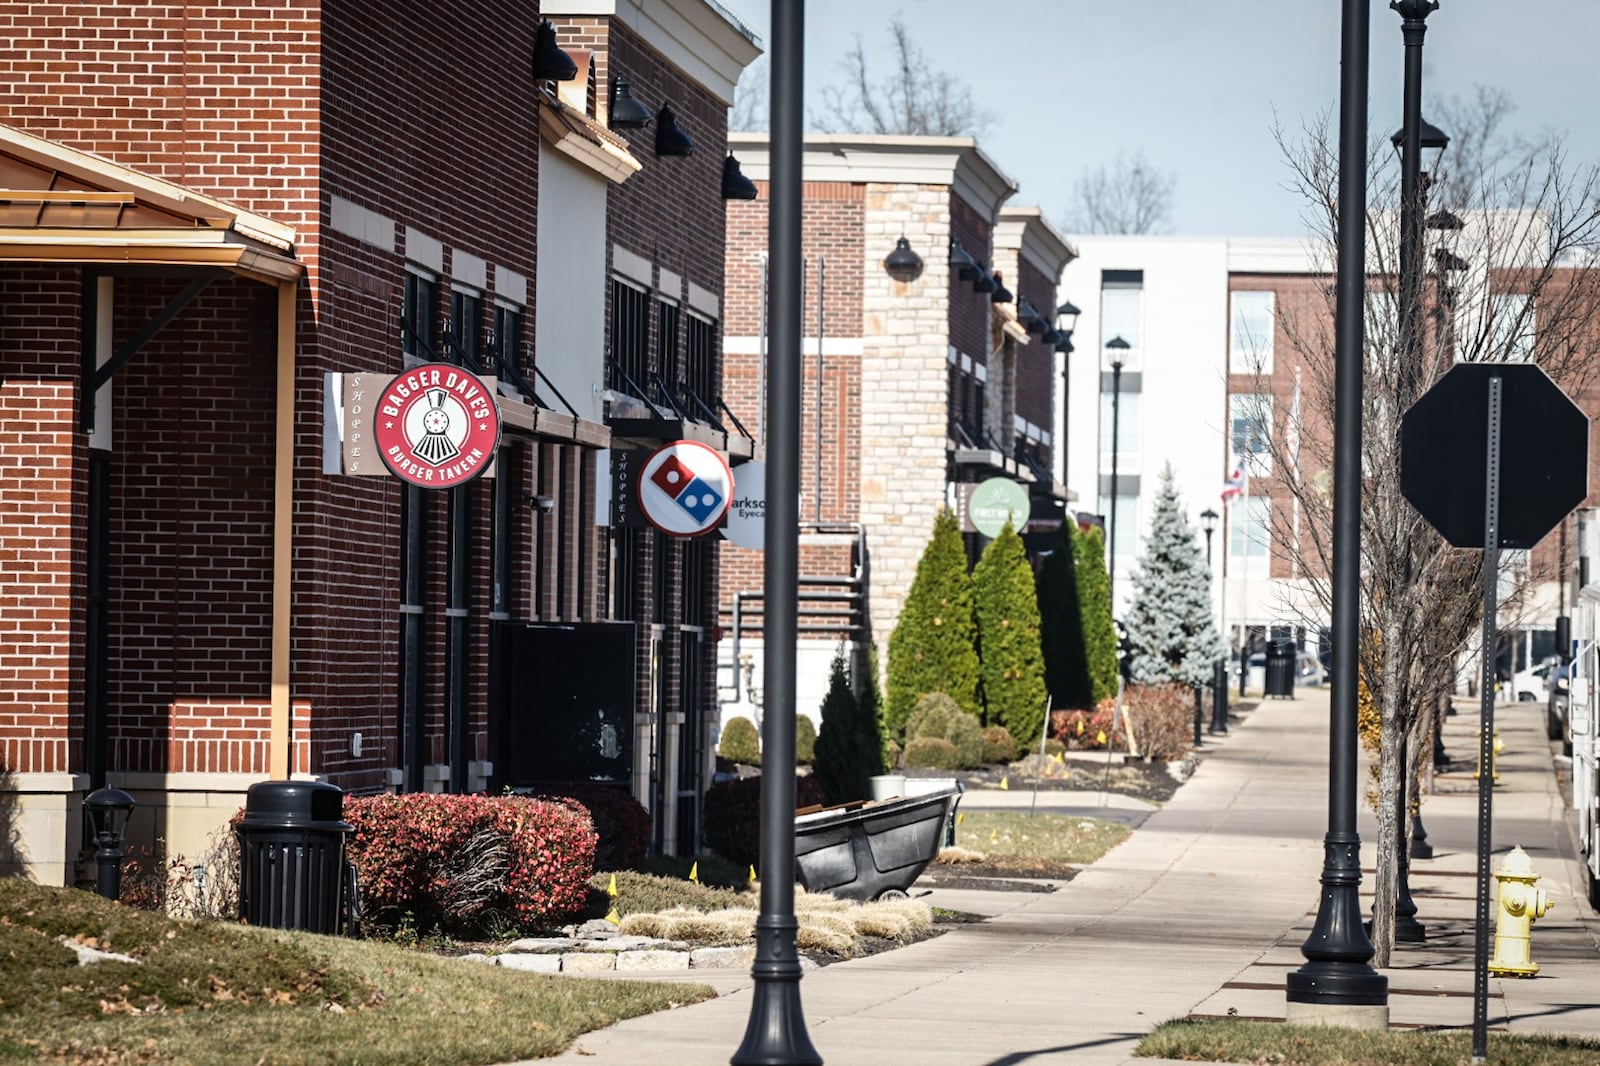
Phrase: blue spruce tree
(1172, 635)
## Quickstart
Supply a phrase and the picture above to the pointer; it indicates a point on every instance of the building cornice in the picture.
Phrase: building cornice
(956, 162)
(700, 38)
(1024, 230)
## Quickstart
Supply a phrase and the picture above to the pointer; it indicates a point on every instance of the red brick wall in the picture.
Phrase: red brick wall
(191, 532)
(42, 507)
(1036, 359)
(969, 309)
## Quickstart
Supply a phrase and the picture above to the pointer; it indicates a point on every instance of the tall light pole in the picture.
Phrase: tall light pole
(1208, 523)
(776, 1033)
(1066, 322)
(1414, 135)
(1118, 349)
(1338, 984)
(1219, 670)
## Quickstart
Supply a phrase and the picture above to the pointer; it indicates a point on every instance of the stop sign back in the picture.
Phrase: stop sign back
(1544, 454)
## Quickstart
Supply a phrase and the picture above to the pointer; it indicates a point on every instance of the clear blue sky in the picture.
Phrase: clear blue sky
(1195, 84)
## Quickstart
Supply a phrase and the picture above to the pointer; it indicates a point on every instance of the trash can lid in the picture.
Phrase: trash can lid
(295, 805)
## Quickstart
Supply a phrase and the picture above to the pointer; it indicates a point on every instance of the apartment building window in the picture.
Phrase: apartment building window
(1126, 409)
(966, 400)
(1249, 533)
(1123, 518)
(1122, 315)
(1512, 326)
(1250, 429)
(668, 353)
(466, 329)
(1250, 332)
(630, 339)
(419, 317)
(507, 342)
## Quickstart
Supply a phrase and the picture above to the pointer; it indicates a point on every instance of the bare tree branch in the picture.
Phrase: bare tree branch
(914, 99)
(1129, 196)
(750, 112)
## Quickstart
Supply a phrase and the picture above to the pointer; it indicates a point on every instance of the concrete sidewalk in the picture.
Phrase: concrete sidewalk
(1201, 911)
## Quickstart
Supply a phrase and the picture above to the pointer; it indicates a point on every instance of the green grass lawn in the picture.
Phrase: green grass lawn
(1299, 1045)
(1023, 843)
(216, 992)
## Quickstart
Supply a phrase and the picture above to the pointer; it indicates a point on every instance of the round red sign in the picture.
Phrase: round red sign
(685, 488)
(437, 426)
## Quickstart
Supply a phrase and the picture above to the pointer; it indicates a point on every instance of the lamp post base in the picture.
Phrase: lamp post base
(776, 1034)
(1337, 985)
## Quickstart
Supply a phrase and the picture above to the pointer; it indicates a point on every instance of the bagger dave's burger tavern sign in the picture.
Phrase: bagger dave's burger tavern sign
(437, 426)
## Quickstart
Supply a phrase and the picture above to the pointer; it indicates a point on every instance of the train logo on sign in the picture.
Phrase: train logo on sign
(685, 488)
(437, 426)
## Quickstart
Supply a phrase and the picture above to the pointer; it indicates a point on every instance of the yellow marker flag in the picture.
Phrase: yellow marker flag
(1100, 737)
(1061, 760)
(613, 917)
(752, 875)
(1080, 727)
(1005, 784)
(611, 889)
(960, 817)
(694, 872)
(991, 836)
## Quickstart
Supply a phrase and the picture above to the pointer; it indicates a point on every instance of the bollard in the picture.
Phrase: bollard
(108, 816)
(1520, 903)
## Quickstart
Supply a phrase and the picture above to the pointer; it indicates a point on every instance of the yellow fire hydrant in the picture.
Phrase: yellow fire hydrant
(1520, 903)
(1494, 757)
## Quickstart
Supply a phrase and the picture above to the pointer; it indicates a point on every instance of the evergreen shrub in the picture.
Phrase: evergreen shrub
(999, 746)
(740, 742)
(937, 715)
(931, 753)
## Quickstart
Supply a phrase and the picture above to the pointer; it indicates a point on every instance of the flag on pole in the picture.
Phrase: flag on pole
(1235, 484)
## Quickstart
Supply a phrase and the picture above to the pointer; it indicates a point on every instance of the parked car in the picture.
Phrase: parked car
(1556, 722)
(1528, 686)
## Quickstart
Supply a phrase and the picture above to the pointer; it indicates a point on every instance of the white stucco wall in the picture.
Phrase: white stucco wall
(571, 320)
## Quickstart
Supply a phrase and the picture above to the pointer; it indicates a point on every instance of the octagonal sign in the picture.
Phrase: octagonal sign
(1544, 454)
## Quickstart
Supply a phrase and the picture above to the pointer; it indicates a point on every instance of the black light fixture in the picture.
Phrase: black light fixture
(1032, 320)
(670, 140)
(967, 268)
(1208, 524)
(735, 186)
(1445, 259)
(550, 63)
(626, 112)
(1064, 342)
(999, 294)
(1067, 317)
(108, 819)
(1431, 137)
(903, 264)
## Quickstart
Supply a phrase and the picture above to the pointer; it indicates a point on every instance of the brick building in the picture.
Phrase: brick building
(912, 390)
(223, 233)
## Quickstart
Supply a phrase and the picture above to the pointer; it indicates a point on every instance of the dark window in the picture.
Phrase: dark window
(419, 319)
(700, 362)
(466, 329)
(506, 345)
(696, 580)
(630, 340)
(626, 545)
(667, 351)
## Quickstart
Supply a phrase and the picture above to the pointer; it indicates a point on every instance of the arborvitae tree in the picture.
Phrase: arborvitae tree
(1009, 658)
(849, 750)
(1066, 662)
(1172, 634)
(1094, 601)
(932, 647)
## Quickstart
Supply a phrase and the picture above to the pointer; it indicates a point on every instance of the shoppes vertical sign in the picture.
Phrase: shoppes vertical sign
(436, 426)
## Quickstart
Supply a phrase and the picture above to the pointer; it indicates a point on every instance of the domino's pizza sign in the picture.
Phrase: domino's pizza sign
(685, 488)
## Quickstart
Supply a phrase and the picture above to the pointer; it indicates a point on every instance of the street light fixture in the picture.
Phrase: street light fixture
(1119, 349)
(1219, 671)
(1208, 523)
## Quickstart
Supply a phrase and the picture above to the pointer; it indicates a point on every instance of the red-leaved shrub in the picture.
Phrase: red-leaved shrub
(622, 822)
(453, 862)
(733, 815)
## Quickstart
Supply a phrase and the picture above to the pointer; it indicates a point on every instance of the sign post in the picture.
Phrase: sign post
(1515, 417)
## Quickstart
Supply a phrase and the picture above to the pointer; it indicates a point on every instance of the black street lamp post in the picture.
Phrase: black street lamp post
(1066, 322)
(1208, 523)
(776, 1034)
(1118, 348)
(1414, 135)
(1338, 983)
(1219, 672)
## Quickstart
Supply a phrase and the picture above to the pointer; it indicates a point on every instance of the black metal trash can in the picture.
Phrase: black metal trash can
(1279, 679)
(291, 855)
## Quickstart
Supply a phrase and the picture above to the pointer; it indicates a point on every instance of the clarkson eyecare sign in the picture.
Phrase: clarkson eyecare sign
(437, 426)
